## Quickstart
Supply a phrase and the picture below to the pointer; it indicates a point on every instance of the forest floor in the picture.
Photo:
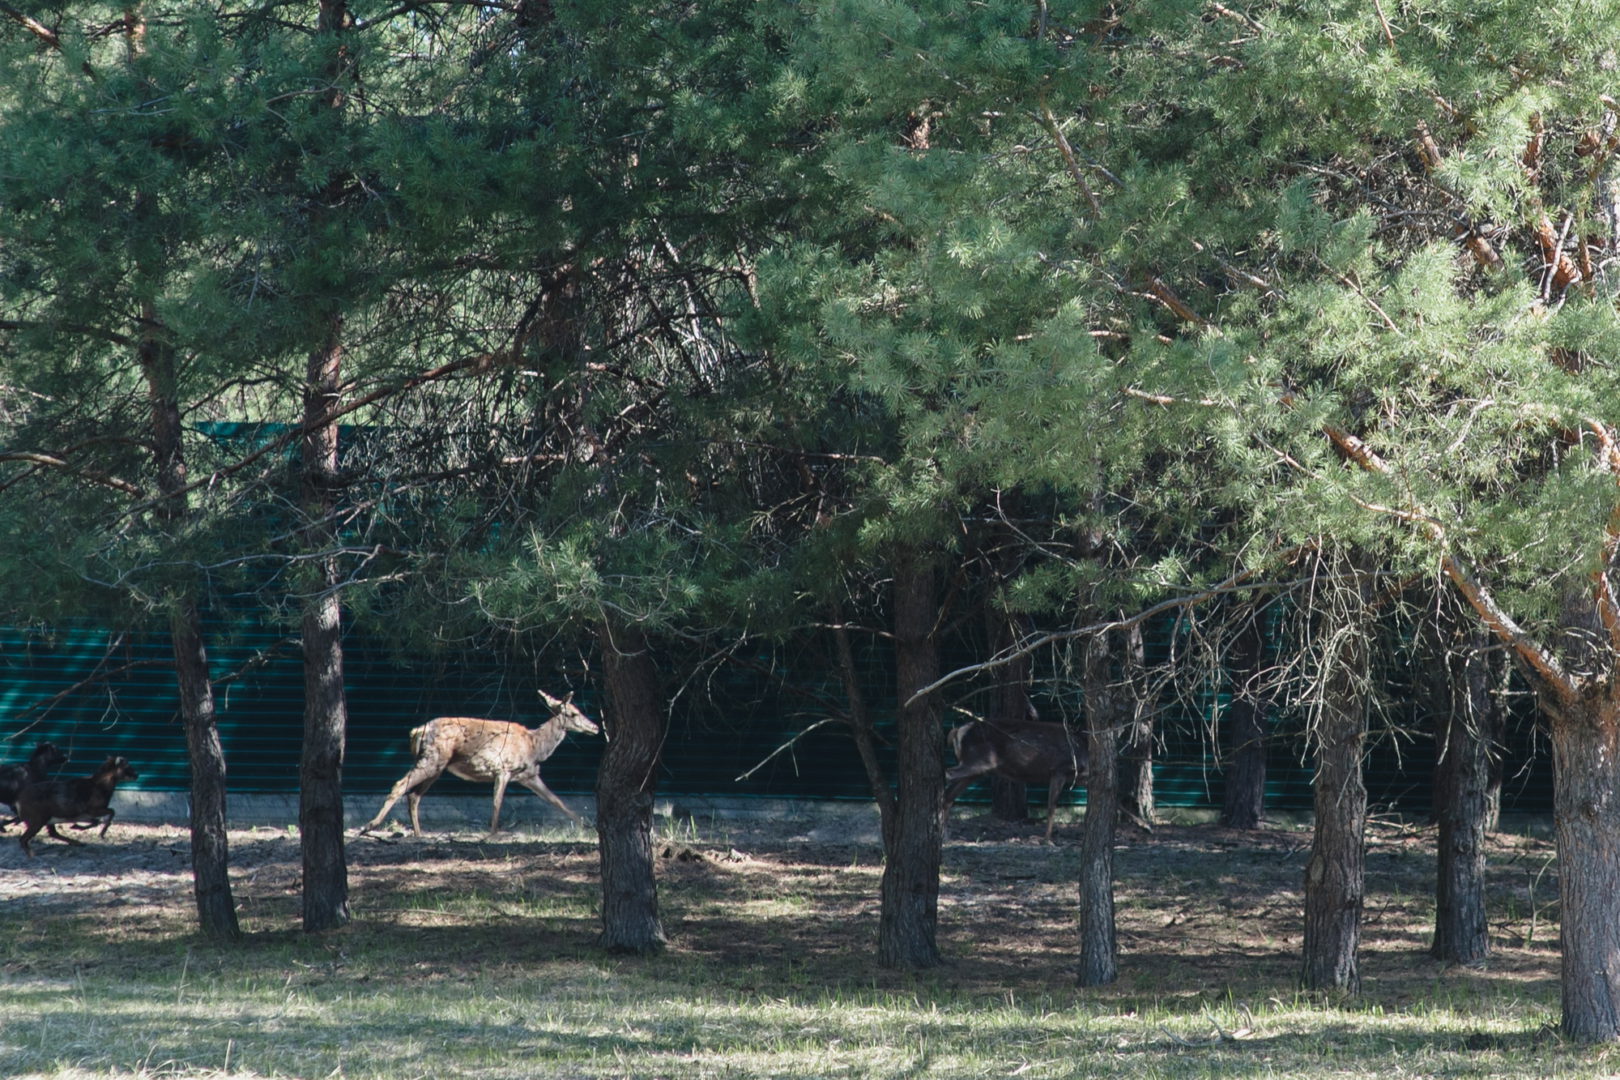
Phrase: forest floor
(471, 957)
(1202, 912)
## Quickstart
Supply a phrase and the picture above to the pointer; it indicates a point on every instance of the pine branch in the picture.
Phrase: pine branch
(1018, 650)
(1477, 245)
(479, 363)
(33, 26)
(1608, 604)
(50, 461)
(1069, 162)
(41, 31)
(1478, 596)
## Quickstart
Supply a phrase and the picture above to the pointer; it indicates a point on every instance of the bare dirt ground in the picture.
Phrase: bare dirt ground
(1202, 911)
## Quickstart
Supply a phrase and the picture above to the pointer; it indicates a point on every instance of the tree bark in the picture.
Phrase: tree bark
(1136, 719)
(860, 718)
(909, 917)
(1585, 737)
(320, 770)
(210, 848)
(1498, 673)
(320, 773)
(1009, 799)
(1462, 798)
(1099, 962)
(1335, 876)
(1243, 799)
(626, 782)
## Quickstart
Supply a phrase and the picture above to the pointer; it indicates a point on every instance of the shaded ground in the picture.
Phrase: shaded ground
(1202, 912)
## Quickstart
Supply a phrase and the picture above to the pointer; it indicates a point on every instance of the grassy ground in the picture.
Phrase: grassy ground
(475, 959)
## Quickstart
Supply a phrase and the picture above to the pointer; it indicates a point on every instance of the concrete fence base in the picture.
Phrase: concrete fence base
(701, 817)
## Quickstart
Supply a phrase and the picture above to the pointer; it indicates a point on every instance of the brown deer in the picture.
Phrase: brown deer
(83, 800)
(1028, 751)
(15, 777)
(487, 751)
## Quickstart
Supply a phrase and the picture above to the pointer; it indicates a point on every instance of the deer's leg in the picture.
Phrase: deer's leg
(28, 834)
(501, 780)
(106, 822)
(421, 776)
(413, 801)
(50, 827)
(1054, 788)
(958, 780)
(538, 786)
(955, 787)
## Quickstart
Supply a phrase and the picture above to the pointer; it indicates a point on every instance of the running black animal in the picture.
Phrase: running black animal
(19, 774)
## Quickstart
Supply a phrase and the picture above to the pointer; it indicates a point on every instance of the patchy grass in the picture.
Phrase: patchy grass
(476, 959)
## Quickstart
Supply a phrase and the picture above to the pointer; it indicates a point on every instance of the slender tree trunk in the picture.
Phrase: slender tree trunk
(1462, 781)
(626, 782)
(320, 773)
(320, 770)
(1585, 737)
(862, 731)
(210, 849)
(1335, 876)
(1009, 799)
(1099, 956)
(909, 917)
(1136, 716)
(1498, 675)
(1243, 799)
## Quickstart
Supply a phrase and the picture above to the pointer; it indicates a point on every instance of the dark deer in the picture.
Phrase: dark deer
(1028, 751)
(83, 800)
(487, 751)
(15, 777)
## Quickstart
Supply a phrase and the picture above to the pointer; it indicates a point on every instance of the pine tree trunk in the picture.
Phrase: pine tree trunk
(862, 732)
(320, 773)
(909, 917)
(1335, 876)
(1243, 800)
(626, 782)
(1462, 779)
(1136, 717)
(210, 849)
(1099, 962)
(1498, 675)
(1009, 799)
(1585, 740)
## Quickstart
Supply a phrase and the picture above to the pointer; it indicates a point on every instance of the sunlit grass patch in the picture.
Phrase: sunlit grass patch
(473, 959)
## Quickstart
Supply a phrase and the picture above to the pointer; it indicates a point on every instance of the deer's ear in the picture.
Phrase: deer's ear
(553, 702)
(567, 701)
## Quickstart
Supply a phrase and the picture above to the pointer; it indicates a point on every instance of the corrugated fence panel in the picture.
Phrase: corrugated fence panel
(738, 730)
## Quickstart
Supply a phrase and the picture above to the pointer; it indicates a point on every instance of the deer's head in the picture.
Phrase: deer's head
(565, 712)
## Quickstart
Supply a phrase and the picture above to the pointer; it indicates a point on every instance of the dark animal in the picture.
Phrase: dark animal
(1028, 751)
(83, 800)
(15, 777)
(486, 751)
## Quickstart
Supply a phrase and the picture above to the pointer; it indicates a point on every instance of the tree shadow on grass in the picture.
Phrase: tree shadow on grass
(1206, 919)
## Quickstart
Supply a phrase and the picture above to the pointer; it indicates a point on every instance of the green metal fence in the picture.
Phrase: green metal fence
(735, 728)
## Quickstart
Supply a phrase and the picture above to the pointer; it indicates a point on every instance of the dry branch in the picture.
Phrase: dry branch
(1479, 598)
(50, 461)
(1021, 649)
(1429, 150)
(1069, 160)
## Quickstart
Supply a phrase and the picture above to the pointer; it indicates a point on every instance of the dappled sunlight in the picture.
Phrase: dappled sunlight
(482, 953)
